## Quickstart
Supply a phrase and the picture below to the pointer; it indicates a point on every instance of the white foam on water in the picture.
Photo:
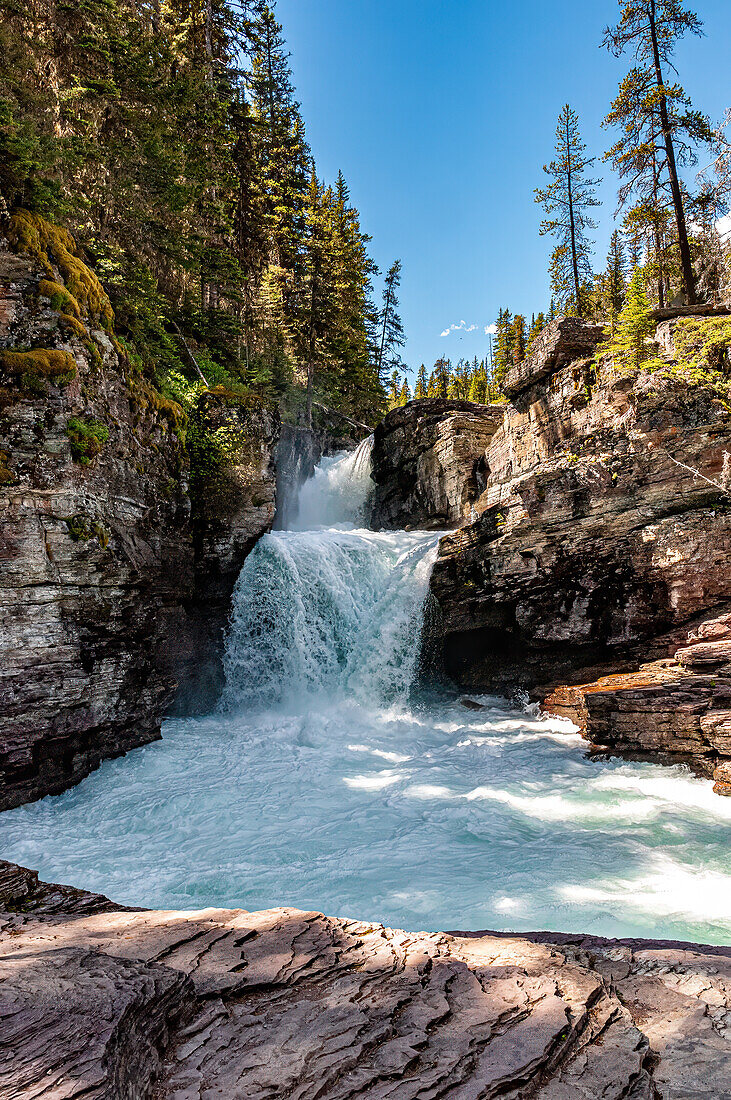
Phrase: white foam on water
(326, 780)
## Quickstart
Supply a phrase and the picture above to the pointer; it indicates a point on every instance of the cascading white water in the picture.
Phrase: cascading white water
(328, 781)
(329, 609)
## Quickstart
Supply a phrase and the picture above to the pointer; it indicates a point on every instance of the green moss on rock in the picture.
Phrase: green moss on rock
(87, 438)
(54, 246)
(60, 298)
(38, 366)
(81, 529)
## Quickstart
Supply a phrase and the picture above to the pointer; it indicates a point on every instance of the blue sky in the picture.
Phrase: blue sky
(441, 113)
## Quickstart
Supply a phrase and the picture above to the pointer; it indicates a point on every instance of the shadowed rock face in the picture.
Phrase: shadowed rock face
(103, 604)
(428, 462)
(107, 1003)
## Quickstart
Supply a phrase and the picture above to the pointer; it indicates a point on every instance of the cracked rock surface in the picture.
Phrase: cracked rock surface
(103, 1002)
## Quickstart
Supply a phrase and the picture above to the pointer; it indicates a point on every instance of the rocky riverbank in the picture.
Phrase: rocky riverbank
(105, 1002)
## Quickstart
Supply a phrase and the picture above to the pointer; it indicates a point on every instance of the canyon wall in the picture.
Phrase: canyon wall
(113, 588)
(600, 539)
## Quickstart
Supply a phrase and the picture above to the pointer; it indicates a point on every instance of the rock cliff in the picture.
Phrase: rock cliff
(102, 1002)
(104, 566)
(599, 537)
(429, 463)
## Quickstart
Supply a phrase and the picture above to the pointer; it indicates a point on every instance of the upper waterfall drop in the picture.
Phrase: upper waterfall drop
(329, 608)
(338, 492)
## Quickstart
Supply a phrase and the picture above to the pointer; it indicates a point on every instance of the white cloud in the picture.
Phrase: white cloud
(461, 327)
(490, 330)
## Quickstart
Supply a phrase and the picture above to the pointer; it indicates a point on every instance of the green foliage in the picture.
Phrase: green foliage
(658, 128)
(82, 529)
(703, 354)
(629, 346)
(168, 138)
(87, 438)
(704, 343)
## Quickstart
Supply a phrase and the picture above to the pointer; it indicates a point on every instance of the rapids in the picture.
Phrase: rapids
(331, 779)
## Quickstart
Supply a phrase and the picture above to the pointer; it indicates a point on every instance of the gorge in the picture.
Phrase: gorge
(330, 777)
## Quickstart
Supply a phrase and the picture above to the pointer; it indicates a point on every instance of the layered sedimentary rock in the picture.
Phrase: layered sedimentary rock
(100, 1002)
(429, 462)
(678, 709)
(602, 536)
(98, 597)
(234, 504)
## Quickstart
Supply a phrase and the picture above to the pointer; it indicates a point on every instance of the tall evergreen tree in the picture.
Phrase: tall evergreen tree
(420, 391)
(566, 200)
(659, 129)
(391, 336)
(616, 274)
(629, 347)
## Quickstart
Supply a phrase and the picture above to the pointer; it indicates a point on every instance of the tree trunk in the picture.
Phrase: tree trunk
(574, 261)
(685, 258)
(386, 309)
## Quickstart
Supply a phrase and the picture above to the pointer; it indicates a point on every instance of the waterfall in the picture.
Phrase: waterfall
(329, 608)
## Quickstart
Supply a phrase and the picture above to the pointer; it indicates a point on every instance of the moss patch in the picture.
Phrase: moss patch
(60, 298)
(81, 529)
(53, 246)
(87, 438)
(146, 397)
(37, 367)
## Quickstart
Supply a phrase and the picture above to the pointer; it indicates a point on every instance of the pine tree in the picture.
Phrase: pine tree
(504, 349)
(392, 332)
(537, 326)
(394, 389)
(615, 275)
(519, 338)
(566, 201)
(438, 385)
(421, 384)
(659, 129)
(629, 347)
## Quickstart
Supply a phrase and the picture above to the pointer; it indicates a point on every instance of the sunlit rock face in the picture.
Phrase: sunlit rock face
(596, 545)
(428, 463)
(679, 707)
(286, 1003)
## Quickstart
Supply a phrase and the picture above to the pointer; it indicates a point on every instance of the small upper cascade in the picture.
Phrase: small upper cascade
(338, 492)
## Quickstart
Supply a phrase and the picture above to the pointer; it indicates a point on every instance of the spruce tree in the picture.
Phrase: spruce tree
(615, 275)
(392, 333)
(420, 391)
(659, 129)
(629, 347)
(566, 200)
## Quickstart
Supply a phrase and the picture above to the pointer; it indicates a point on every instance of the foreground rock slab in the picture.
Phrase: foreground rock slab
(102, 1002)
